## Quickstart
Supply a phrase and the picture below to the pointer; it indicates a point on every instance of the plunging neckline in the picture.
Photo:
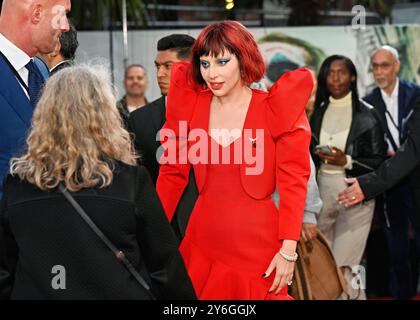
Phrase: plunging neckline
(228, 145)
(243, 126)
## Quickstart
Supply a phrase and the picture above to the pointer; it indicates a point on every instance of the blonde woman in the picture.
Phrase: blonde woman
(47, 251)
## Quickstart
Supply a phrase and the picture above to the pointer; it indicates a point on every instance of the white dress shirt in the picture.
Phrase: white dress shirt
(391, 103)
(58, 64)
(17, 58)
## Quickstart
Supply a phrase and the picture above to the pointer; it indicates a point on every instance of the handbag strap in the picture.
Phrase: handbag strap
(118, 253)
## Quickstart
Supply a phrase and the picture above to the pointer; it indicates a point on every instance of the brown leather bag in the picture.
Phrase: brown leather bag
(317, 276)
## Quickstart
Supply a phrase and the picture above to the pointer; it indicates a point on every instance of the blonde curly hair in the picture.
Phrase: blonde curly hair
(76, 133)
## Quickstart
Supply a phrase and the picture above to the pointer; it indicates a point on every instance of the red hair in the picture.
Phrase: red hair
(235, 38)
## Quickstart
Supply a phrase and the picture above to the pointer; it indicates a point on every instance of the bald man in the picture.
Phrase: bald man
(27, 27)
(394, 99)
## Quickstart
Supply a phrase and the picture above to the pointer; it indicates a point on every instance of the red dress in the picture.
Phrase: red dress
(235, 228)
(231, 238)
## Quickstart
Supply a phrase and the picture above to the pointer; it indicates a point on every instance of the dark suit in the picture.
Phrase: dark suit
(145, 123)
(398, 201)
(61, 66)
(40, 229)
(407, 95)
(15, 118)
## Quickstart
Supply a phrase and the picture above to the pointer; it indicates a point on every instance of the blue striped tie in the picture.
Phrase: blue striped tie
(35, 82)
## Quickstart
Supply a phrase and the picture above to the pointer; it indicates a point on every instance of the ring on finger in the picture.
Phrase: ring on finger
(353, 198)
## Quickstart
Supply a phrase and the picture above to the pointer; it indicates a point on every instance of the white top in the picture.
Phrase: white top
(132, 108)
(335, 130)
(391, 103)
(17, 58)
(58, 64)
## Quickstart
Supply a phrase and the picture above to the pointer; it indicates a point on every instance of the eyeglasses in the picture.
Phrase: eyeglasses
(383, 66)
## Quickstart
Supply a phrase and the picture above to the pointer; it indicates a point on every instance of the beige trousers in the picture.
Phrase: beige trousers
(346, 229)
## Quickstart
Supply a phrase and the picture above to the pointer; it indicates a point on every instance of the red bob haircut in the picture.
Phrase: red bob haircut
(235, 38)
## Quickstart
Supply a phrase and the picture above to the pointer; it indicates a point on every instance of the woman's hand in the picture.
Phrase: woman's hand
(309, 231)
(337, 157)
(284, 269)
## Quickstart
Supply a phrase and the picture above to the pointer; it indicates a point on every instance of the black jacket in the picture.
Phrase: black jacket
(124, 112)
(405, 163)
(61, 66)
(365, 142)
(145, 124)
(40, 230)
(408, 93)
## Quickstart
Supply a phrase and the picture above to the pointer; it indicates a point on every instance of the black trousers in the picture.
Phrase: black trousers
(403, 263)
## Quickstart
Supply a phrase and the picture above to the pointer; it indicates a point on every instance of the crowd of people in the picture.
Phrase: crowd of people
(205, 192)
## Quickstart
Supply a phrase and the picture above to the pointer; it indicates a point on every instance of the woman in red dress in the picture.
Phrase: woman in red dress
(237, 245)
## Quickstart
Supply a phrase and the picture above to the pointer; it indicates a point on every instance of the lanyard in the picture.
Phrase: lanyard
(17, 75)
(392, 119)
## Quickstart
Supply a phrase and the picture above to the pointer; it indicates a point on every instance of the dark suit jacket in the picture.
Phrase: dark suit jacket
(40, 229)
(407, 95)
(145, 123)
(405, 163)
(61, 66)
(15, 118)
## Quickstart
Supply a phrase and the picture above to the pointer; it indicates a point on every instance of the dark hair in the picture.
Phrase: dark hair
(69, 43)
(322, 93)
(181, 43)
(135, 65)
(235, 38)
